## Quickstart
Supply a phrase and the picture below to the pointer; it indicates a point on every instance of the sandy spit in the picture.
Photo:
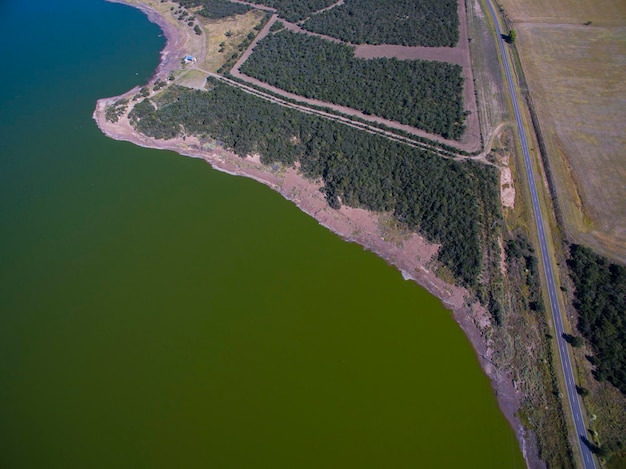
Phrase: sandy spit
(411, 256)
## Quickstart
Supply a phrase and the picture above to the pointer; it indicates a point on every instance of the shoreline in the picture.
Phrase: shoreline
(411, 256)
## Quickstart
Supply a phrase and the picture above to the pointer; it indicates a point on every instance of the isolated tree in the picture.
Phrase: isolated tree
(512, 36)
(584, 392)
(574, 340)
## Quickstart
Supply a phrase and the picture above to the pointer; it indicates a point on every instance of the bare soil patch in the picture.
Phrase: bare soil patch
(507, 190)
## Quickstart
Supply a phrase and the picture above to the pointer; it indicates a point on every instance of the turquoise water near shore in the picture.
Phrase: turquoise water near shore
(157, 313)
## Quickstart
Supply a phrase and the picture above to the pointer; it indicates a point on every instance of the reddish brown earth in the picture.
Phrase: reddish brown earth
(412, 256)
(453, 55)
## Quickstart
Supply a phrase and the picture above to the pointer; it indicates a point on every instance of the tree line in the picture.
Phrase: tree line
(601, 303)
(429, 23)
(424, 94)
(444, 200)
(215, 9)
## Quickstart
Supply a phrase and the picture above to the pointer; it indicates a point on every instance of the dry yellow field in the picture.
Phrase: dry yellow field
(576, 75)
(602, 12)
(219, 39)
(224, 35)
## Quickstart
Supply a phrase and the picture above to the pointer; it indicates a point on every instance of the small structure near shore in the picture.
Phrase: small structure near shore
(189, 59)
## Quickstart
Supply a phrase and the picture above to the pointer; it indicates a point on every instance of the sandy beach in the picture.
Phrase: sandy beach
(412, 254)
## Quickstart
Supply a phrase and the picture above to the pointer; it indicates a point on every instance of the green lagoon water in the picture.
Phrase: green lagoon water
(155, 313)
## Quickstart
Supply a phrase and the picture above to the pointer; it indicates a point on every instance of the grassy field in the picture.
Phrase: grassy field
(492, 102)
(605, 12)
(224, 36)
(576, 79)
(576, 75)
(220, 38)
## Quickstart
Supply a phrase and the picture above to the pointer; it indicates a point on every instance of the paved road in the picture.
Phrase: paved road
(581, 431)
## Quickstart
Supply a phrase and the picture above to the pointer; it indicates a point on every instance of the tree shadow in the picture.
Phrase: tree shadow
(595, 449)
(573, 340)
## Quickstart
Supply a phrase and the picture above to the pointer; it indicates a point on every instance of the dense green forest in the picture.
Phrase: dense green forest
(446, 201)
(295, 10)
(601, 304)
(424, 94)
(215, 9)
(438, 147)
(429, 23)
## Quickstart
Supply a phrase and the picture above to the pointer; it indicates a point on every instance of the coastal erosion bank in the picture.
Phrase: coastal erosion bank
(411, 256)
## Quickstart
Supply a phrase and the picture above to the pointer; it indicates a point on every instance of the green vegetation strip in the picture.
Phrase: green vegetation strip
(423, 94)
(601, 305)
(370, 126)
(430, 23)
(449, 202)
(521, 255)
(215, 9)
